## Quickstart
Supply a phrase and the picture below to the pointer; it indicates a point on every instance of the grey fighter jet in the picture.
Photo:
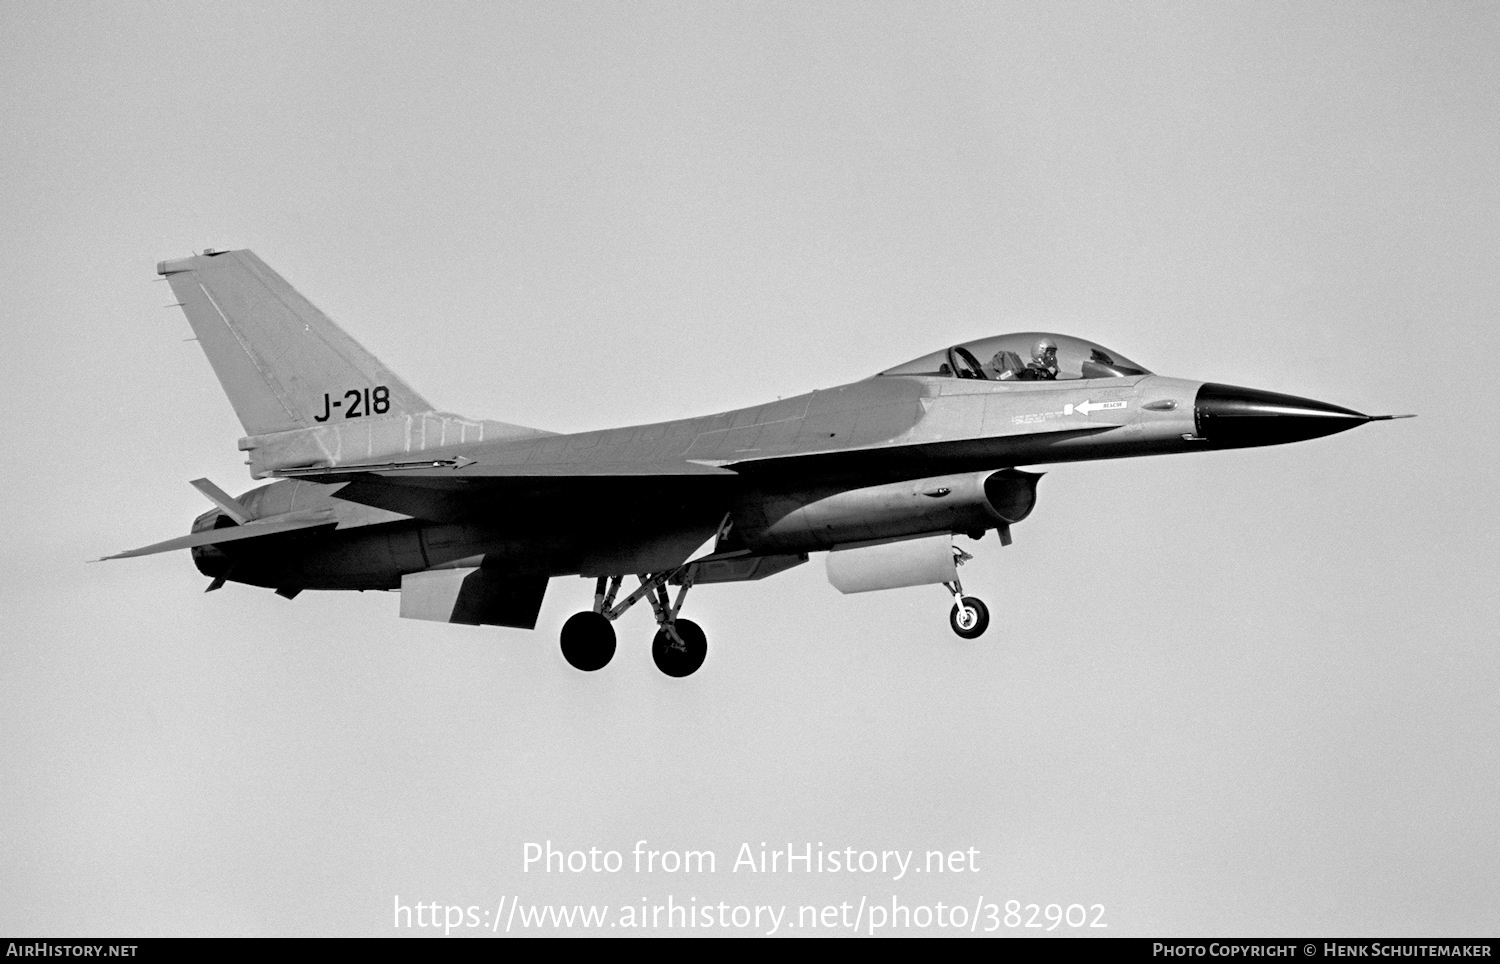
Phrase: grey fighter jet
(469, 519)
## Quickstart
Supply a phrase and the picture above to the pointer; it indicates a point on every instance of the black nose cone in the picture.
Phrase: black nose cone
(1230, 417)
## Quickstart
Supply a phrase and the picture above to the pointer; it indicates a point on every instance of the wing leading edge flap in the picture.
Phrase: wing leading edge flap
(467, 468)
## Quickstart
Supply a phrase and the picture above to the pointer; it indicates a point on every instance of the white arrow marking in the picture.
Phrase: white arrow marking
(1089, 406)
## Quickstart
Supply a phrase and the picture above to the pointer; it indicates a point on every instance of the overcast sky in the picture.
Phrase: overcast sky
(1245, 693)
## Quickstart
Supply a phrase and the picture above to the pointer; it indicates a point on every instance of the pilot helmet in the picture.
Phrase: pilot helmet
(1044, 352)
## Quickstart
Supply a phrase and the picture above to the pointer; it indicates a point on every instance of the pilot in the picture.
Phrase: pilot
(1043, 364)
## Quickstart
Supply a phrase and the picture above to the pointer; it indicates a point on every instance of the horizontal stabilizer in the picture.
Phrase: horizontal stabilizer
(214, 537)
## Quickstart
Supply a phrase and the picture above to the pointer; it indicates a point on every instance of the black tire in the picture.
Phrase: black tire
(588, 641)
(678, 662)
(980, 614)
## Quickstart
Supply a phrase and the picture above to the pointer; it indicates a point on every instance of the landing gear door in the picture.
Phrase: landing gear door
(892, 565)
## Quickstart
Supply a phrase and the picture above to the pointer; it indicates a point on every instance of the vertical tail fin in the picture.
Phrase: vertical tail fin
(283, 363)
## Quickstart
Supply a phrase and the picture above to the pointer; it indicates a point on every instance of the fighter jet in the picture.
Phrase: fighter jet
(469, 519)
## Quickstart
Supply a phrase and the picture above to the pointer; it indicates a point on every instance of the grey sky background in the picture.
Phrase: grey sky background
(1245, 693)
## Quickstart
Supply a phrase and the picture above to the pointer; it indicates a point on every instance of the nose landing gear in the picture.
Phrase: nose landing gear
(970, 617)
(679, 647)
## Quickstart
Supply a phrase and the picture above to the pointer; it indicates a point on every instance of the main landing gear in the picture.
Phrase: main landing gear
(679, 647)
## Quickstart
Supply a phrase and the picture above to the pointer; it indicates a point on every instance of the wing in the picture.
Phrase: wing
(460, 490)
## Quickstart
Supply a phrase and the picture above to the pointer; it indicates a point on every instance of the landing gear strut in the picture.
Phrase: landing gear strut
(970, 617)
(679, 647)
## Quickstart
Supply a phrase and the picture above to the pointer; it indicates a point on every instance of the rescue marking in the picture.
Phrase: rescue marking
(1089, 406)
(1084, 408)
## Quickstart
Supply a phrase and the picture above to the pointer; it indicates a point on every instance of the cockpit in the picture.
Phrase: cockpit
(1023, 356)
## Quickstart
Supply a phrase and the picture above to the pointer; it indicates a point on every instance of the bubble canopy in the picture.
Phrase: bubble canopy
(1013, 358)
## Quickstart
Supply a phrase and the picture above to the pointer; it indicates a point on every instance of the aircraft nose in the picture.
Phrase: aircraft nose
(1231, 417)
